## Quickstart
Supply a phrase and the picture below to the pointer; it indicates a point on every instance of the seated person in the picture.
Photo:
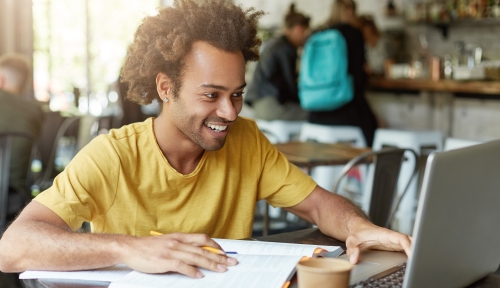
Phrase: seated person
(194, 172)
(17, 114)
(273, 90)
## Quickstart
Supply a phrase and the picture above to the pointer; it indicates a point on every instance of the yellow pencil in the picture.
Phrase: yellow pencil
(214, 250)
(208, 248)
(154, 233)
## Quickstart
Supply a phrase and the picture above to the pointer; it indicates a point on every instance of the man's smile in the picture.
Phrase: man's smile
(216, 128)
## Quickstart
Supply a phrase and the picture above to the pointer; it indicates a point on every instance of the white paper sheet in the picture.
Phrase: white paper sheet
(107, 274)
(270, 248)
(252, 272)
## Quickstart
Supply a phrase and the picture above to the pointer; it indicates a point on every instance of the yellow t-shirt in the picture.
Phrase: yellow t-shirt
(123, 184)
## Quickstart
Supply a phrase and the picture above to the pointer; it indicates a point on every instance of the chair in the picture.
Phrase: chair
(383, 201)
(5, 158)
(69, 125)
(326, 175)
(422, 142)
(279, 131)
(333, 134)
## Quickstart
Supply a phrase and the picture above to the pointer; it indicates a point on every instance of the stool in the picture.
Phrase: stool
(419, 141)
(325, 176)
(279, 131)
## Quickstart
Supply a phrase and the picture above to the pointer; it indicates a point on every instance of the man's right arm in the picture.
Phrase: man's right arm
(40, 240)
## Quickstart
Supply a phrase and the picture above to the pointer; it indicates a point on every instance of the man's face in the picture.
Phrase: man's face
(211, 96)
(301, 34)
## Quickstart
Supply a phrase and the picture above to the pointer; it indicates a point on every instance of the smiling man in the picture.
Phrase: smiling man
(194, 172)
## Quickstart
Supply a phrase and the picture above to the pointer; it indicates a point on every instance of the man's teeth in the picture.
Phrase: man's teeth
(217, 128)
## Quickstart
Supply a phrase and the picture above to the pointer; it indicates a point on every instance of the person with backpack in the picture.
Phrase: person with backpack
(350, 106)
(273, 90)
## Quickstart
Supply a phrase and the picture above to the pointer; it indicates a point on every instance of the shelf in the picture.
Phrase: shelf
(460, 22)
(451, 86)
(444, 26)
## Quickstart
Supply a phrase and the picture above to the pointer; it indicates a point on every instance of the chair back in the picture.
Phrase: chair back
(333, 134)
(384, 197)
(279, 131)
(5, 158)
(69, 125)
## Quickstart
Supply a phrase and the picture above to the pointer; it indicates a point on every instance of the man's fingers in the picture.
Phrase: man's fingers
(354, 255)
(201, 261)
(219, 259)
(383, 240)
(406, 244)
(192, 243)
(176, 265)
(195, 239)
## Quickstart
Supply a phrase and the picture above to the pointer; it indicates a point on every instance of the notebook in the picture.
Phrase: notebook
(456, 236)
(261, 264)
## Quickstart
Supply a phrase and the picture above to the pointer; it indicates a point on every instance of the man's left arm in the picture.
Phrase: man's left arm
(339, 218)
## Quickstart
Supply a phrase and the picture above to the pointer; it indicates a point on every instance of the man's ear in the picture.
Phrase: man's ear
(163, 85)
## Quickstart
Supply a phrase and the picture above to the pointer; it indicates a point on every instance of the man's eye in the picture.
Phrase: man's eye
(238, 94)
(211, 95)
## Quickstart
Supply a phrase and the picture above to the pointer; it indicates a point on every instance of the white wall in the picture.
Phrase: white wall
(471, 118)
(319, 10)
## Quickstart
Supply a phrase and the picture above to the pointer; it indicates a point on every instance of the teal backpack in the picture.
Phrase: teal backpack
(324, 83)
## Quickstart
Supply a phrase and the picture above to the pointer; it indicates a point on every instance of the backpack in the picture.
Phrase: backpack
(324, 83)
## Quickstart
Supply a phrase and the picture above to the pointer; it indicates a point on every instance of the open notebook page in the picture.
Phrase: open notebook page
(270, 248)
(252, 271)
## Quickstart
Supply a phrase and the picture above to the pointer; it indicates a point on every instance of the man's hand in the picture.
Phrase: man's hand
(40, 240)
(176, 252)
(337, 217)
(365, 235)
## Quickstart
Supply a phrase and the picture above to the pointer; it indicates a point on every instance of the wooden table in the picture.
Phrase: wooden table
(315, 237)
(311, 154)
(308, 236)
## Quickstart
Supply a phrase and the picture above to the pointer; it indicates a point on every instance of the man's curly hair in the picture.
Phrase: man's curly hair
(162, 41)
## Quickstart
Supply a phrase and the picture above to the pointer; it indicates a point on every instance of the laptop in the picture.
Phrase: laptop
(456, 237)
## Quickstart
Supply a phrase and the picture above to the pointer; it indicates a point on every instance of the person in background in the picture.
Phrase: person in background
(193, 173)
(21, 115)
(374, 46)
(357, 112)
(17, 114)
(273, 90)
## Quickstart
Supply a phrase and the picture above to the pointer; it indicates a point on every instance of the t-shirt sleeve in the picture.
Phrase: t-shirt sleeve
(86, 188)
(282, 184)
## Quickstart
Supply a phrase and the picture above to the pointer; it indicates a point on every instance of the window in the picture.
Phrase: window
(79, 48)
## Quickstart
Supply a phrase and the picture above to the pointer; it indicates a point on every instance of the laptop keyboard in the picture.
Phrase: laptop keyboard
(392, 278)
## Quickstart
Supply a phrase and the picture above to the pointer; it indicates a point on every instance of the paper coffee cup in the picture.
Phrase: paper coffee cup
(324, 272)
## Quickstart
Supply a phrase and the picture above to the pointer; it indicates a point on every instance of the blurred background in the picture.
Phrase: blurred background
(77, 48)
(431, 65)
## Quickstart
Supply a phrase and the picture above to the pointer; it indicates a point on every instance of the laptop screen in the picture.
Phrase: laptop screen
(456, 235)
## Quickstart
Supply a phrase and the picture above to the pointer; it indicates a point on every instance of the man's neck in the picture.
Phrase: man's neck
(181, 153)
